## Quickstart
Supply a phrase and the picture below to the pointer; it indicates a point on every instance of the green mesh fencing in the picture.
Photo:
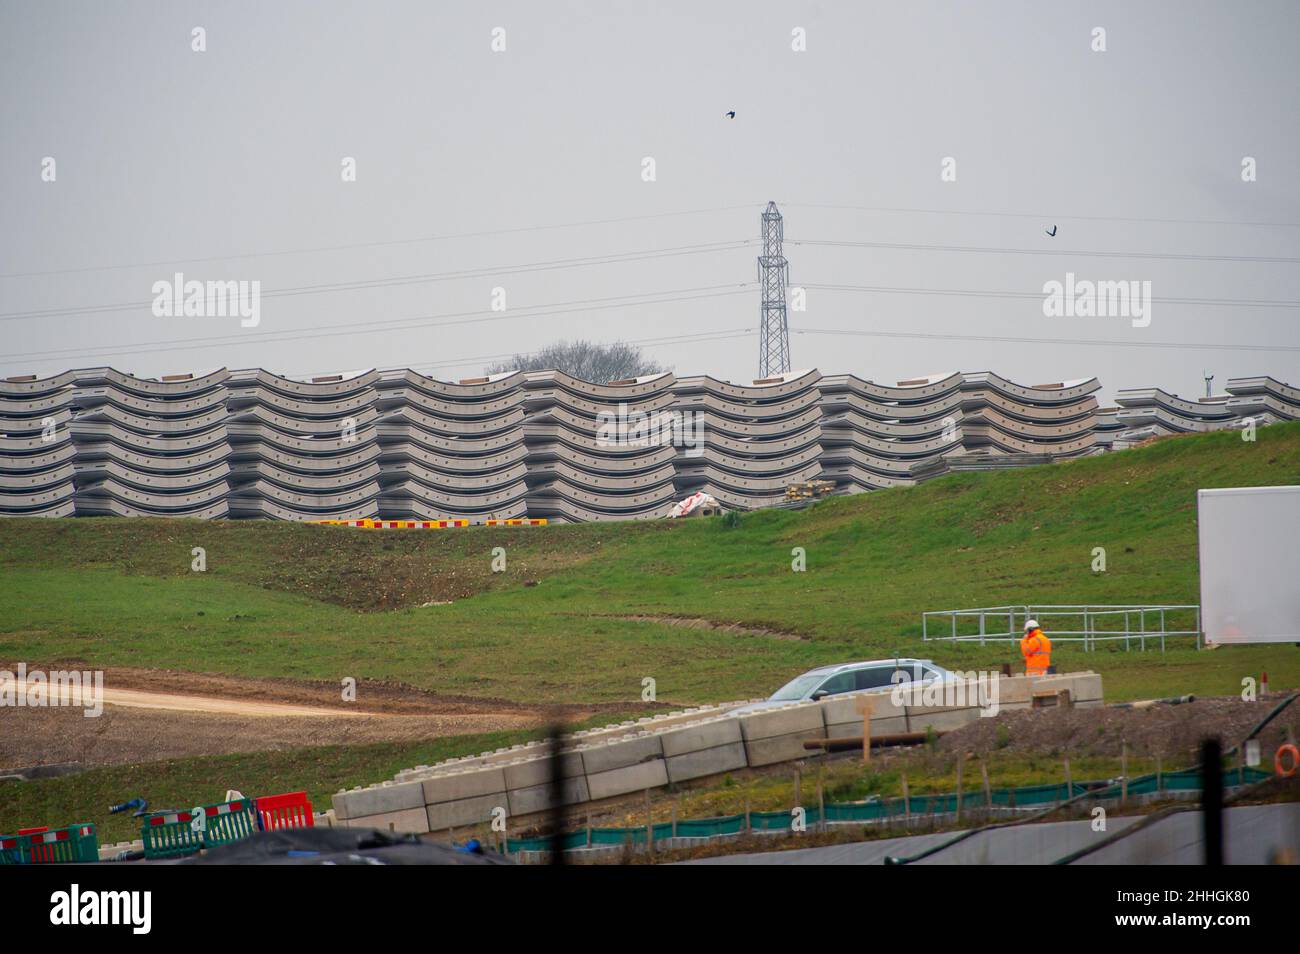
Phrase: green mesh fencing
(880, 809)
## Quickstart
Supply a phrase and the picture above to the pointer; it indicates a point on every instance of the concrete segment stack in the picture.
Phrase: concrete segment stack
(451, 450)
(398, 445)
(303, 450)
(36, 452)
(1146, 413)
(757, 439)
(873, 435)
(599, 452)
(150, 448)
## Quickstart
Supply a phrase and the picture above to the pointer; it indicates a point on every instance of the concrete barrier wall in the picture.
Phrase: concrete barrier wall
(622, 760)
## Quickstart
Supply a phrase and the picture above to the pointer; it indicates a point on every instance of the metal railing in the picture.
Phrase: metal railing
(1066, 623)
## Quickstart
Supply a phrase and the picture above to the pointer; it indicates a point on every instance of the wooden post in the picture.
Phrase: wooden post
(1069, 782)
(1123, 772)
(676, 802)
(864, 705)
(649, 825)
(988, 791)
(1160, 781)
(798, 787)
(821, 806)
(907, 803)
(959, 761)
(747, 829)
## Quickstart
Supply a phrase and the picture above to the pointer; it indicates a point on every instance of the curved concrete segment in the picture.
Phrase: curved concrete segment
(778, 388)
(21, 386)
(33, 480)
(322, 388)
(47, 501)
(246, 472)
(307, 501)
(613, 392)
(179, 385)
(90, 475)
(398, 455)
(411, 508)
(916, 391)
(451, 483)
(438, 407)
(168, 406)
(100, 496)
(407, 494)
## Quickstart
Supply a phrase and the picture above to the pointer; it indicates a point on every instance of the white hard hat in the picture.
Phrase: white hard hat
(1031, 624)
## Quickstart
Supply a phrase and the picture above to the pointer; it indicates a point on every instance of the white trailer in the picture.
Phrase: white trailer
(1250, 564)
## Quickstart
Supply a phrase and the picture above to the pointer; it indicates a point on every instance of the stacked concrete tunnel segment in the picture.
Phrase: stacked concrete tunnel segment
(97, 442)
(1144, 413)
(399, 445)
(627, 759)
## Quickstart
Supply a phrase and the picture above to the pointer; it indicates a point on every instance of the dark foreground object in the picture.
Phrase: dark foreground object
(338, 846)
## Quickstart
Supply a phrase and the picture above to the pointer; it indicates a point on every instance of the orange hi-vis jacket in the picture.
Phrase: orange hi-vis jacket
(1037, 650)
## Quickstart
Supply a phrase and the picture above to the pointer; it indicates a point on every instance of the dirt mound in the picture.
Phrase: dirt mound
(1173, 732)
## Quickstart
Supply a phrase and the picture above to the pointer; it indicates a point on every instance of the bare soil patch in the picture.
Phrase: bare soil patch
(168, 714)
(695, 622)
(1169, 731)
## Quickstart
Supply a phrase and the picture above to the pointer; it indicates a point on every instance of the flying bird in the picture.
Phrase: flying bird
(1051, 233)
(731, 114)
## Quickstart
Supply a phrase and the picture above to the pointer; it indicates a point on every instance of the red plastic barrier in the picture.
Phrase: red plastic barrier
(291, 810)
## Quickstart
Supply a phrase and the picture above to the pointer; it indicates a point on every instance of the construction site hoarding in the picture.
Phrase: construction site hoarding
(1249, 551)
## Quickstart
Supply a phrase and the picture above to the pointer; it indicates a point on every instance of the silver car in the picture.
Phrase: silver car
(876, 674)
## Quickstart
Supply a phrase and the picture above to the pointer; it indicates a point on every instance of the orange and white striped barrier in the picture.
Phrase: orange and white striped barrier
(428, 524)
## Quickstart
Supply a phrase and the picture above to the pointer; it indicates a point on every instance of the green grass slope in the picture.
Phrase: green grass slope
(558, 624)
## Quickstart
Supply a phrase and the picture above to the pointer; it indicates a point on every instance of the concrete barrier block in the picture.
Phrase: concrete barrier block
(1087, 687)
(467, 784)
(702, 762)
(537, 771)
(853, 729)
(631, 778)
(599, 757)
(950, 696)
(779, 748)
(538, 798)
(844, 708)
(1012, 689)
(378, 800)
(408, 821)
(464, 811)
(941, 720)
(770, 723)
(695, 737)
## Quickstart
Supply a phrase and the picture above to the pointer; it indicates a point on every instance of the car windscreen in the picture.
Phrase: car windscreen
(797, 688)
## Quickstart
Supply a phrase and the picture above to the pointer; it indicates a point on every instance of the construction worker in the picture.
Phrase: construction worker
(1037, 650)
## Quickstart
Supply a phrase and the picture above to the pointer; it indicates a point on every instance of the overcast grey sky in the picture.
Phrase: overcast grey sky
(168, 160)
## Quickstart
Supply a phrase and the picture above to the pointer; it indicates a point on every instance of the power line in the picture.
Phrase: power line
(979, 293)
(582, 262)
(1173, 256)
(1002, 339)
(693, 338)
(376, 244)
(1056, 217)
(397, 324)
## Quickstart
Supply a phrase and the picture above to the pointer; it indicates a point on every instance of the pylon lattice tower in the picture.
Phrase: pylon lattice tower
(773, 273)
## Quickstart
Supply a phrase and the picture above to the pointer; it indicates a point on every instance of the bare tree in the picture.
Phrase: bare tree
(597, 363)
